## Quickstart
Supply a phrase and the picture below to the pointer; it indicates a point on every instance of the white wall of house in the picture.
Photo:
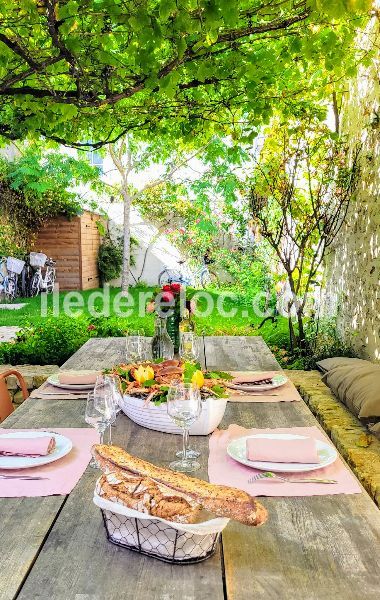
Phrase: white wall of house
(153, 252)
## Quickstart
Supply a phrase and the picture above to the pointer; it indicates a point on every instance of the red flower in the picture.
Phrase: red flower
(176, 288)
(91, 328)
(167, 297)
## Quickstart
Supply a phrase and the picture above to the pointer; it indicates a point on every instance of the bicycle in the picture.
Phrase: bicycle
(203, 275)
(25, 280)
(10, 268)
(206, 277)
(169, 275)
(42, 282)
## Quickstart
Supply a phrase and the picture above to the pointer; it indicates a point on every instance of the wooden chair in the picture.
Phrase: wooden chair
(6, 406)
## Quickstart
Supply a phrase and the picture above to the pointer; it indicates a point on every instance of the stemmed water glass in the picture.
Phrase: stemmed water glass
(116, 394)
(189, 347)
(184, 408)
(105, 391)
(189, 350)
(99, 414)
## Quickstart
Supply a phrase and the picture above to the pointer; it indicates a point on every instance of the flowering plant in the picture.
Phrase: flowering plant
(172, 296)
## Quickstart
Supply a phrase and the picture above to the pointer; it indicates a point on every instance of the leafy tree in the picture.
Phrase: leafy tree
(299, 193)
(98, 69)
(131, 156)
(36, 185)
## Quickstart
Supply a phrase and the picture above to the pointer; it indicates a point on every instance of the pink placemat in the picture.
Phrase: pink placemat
(285, 393)
(224, 470)
(62, 474)
(50, 392)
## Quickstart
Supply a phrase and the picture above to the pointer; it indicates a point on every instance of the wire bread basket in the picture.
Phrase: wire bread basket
(37, 259)
(167, 541)
(15, 265)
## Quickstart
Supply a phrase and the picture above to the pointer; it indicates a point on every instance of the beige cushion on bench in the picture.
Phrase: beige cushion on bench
(357, 385)
(338, 361)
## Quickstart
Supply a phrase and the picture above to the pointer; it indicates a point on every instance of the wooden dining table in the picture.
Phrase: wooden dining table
(311, 548)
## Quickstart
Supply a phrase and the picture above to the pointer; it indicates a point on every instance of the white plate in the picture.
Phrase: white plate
(237, 449)
(277, 381)
(62, 447)
(54, 380)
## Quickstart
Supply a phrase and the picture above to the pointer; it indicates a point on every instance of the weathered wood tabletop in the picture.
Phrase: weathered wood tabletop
(312, 548)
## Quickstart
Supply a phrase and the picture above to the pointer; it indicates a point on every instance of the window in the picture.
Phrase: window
(95, 159)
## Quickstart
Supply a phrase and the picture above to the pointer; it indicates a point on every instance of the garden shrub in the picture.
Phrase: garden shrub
(110, 259)
(51, 342)
(55, 339)
(248, 271)
(9, 245)
(323, 342)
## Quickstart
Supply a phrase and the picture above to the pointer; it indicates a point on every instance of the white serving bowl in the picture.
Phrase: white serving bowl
(156, 417)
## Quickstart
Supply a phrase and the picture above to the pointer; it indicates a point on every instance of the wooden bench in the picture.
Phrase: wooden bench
(356, 444)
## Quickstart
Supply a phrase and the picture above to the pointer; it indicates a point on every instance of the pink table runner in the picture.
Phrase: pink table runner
(224, 470)
(285, 393)
(62, 474)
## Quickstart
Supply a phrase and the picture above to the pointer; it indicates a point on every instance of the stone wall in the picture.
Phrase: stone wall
(34, 376)
(353, 267)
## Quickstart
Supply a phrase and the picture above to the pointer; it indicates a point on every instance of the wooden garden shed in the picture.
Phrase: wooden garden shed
(73, 244)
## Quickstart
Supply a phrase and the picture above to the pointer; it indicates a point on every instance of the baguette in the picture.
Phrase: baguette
(146, 496)
(220, 500)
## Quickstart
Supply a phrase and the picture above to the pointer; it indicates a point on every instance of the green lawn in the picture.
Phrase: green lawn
(244, 322)
(51, 335)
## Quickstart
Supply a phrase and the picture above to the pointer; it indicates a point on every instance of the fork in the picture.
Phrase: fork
(269, 475)
(242, 393)
(26, 477)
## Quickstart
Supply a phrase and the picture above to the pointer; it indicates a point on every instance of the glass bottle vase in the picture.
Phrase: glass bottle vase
(172, 325)
(162, 345)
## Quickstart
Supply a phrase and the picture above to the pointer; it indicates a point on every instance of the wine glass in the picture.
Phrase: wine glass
(105, 391)
(133, 348)
(116, 392)
(98, 414)
(189, 348)
(184, 408)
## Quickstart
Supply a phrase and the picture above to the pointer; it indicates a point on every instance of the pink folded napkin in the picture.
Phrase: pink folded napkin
(302, 450)
(77, 378)
(256, 378)
(39, 446)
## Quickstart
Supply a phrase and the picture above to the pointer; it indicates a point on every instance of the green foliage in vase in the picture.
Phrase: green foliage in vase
(98, 69)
